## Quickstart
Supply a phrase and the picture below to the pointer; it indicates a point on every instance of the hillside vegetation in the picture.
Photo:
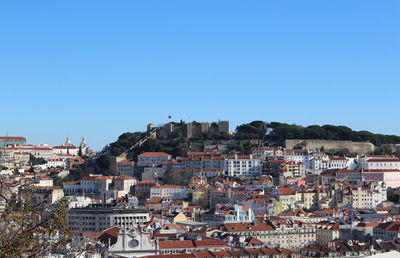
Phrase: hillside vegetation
(274, 132)
(281, 132)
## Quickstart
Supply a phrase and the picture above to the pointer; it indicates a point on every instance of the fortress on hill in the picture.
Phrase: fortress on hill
(190, 130)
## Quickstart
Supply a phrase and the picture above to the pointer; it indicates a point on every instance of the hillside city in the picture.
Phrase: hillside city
(199, 189)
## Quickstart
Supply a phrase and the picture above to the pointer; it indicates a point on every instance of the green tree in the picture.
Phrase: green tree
(33, 161)
(394, 198)
(173, 178)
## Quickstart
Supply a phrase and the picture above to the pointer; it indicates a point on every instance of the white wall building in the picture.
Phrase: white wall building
(150, 158)
(172, 192)
(97, 219)
(370, 164)
(242, 166)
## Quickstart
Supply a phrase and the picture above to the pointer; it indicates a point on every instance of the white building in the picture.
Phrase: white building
(242, 166)
(134, 242)
(103, 187)
(149, 158)
(96, 219)
(325, 162)
(385, 163)
(152, 173)
(369, 197)
(172, 192)
(295, 155)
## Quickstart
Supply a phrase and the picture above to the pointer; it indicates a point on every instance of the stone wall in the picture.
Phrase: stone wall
(330, 145)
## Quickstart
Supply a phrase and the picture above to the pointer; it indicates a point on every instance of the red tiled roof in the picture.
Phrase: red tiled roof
(125, 161)
(147, 181)
(205, 243)
(12, 138)
(154, 200)
(383, 160)
(167, 186)
(190, 153)
(155, 154)
(233, 227)
(176, 244)
(65, 147)
(286, 191)
(339, 158)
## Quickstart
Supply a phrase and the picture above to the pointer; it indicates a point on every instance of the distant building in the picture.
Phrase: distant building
(125, 167)
(242, 166)
(285, 235)
(44, 193)
(173, 192)
(228, 214)
(99, 218)
(15, 140)
(142, 189)
(134, 242)
(149, 158)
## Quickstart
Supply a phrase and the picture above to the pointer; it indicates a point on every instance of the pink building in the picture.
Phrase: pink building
(391, 177)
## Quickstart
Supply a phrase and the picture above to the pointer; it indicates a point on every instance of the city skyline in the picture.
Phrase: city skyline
(101, 69)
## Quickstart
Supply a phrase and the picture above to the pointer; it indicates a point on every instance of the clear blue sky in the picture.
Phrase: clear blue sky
(101, 68)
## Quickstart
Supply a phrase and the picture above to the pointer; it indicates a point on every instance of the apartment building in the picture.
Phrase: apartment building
(149, 158)
(173, 192)
(242, 166)
(285, 235)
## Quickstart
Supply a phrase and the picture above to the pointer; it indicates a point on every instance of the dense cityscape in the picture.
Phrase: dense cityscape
(201, 189)
(199, 129)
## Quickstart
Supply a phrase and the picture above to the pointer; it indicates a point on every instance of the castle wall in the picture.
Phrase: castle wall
(331, 145)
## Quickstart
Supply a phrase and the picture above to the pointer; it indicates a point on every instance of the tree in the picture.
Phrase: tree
(173, 178)
(394, 197)
(33, 161)
(30, 227)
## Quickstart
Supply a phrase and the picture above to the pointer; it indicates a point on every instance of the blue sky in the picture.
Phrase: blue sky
(101, 68)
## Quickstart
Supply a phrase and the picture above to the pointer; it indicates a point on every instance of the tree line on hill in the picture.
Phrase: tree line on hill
(177, 145)
(282, 131)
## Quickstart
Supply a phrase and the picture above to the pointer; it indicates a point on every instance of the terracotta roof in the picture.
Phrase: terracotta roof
(176, 244)
(286, 191)
(340, 158)
(125, 161)
(383, 160)
(65, 147)
(154, 200)
(254, 240)
(233, 227)
(155, 154)
(194, 153)
(208, 242)
(147, 181)
(167, 186)
(383, 208)
(12, 138)
(107, 236)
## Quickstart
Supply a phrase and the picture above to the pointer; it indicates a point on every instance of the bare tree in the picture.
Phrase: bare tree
(30, 226)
